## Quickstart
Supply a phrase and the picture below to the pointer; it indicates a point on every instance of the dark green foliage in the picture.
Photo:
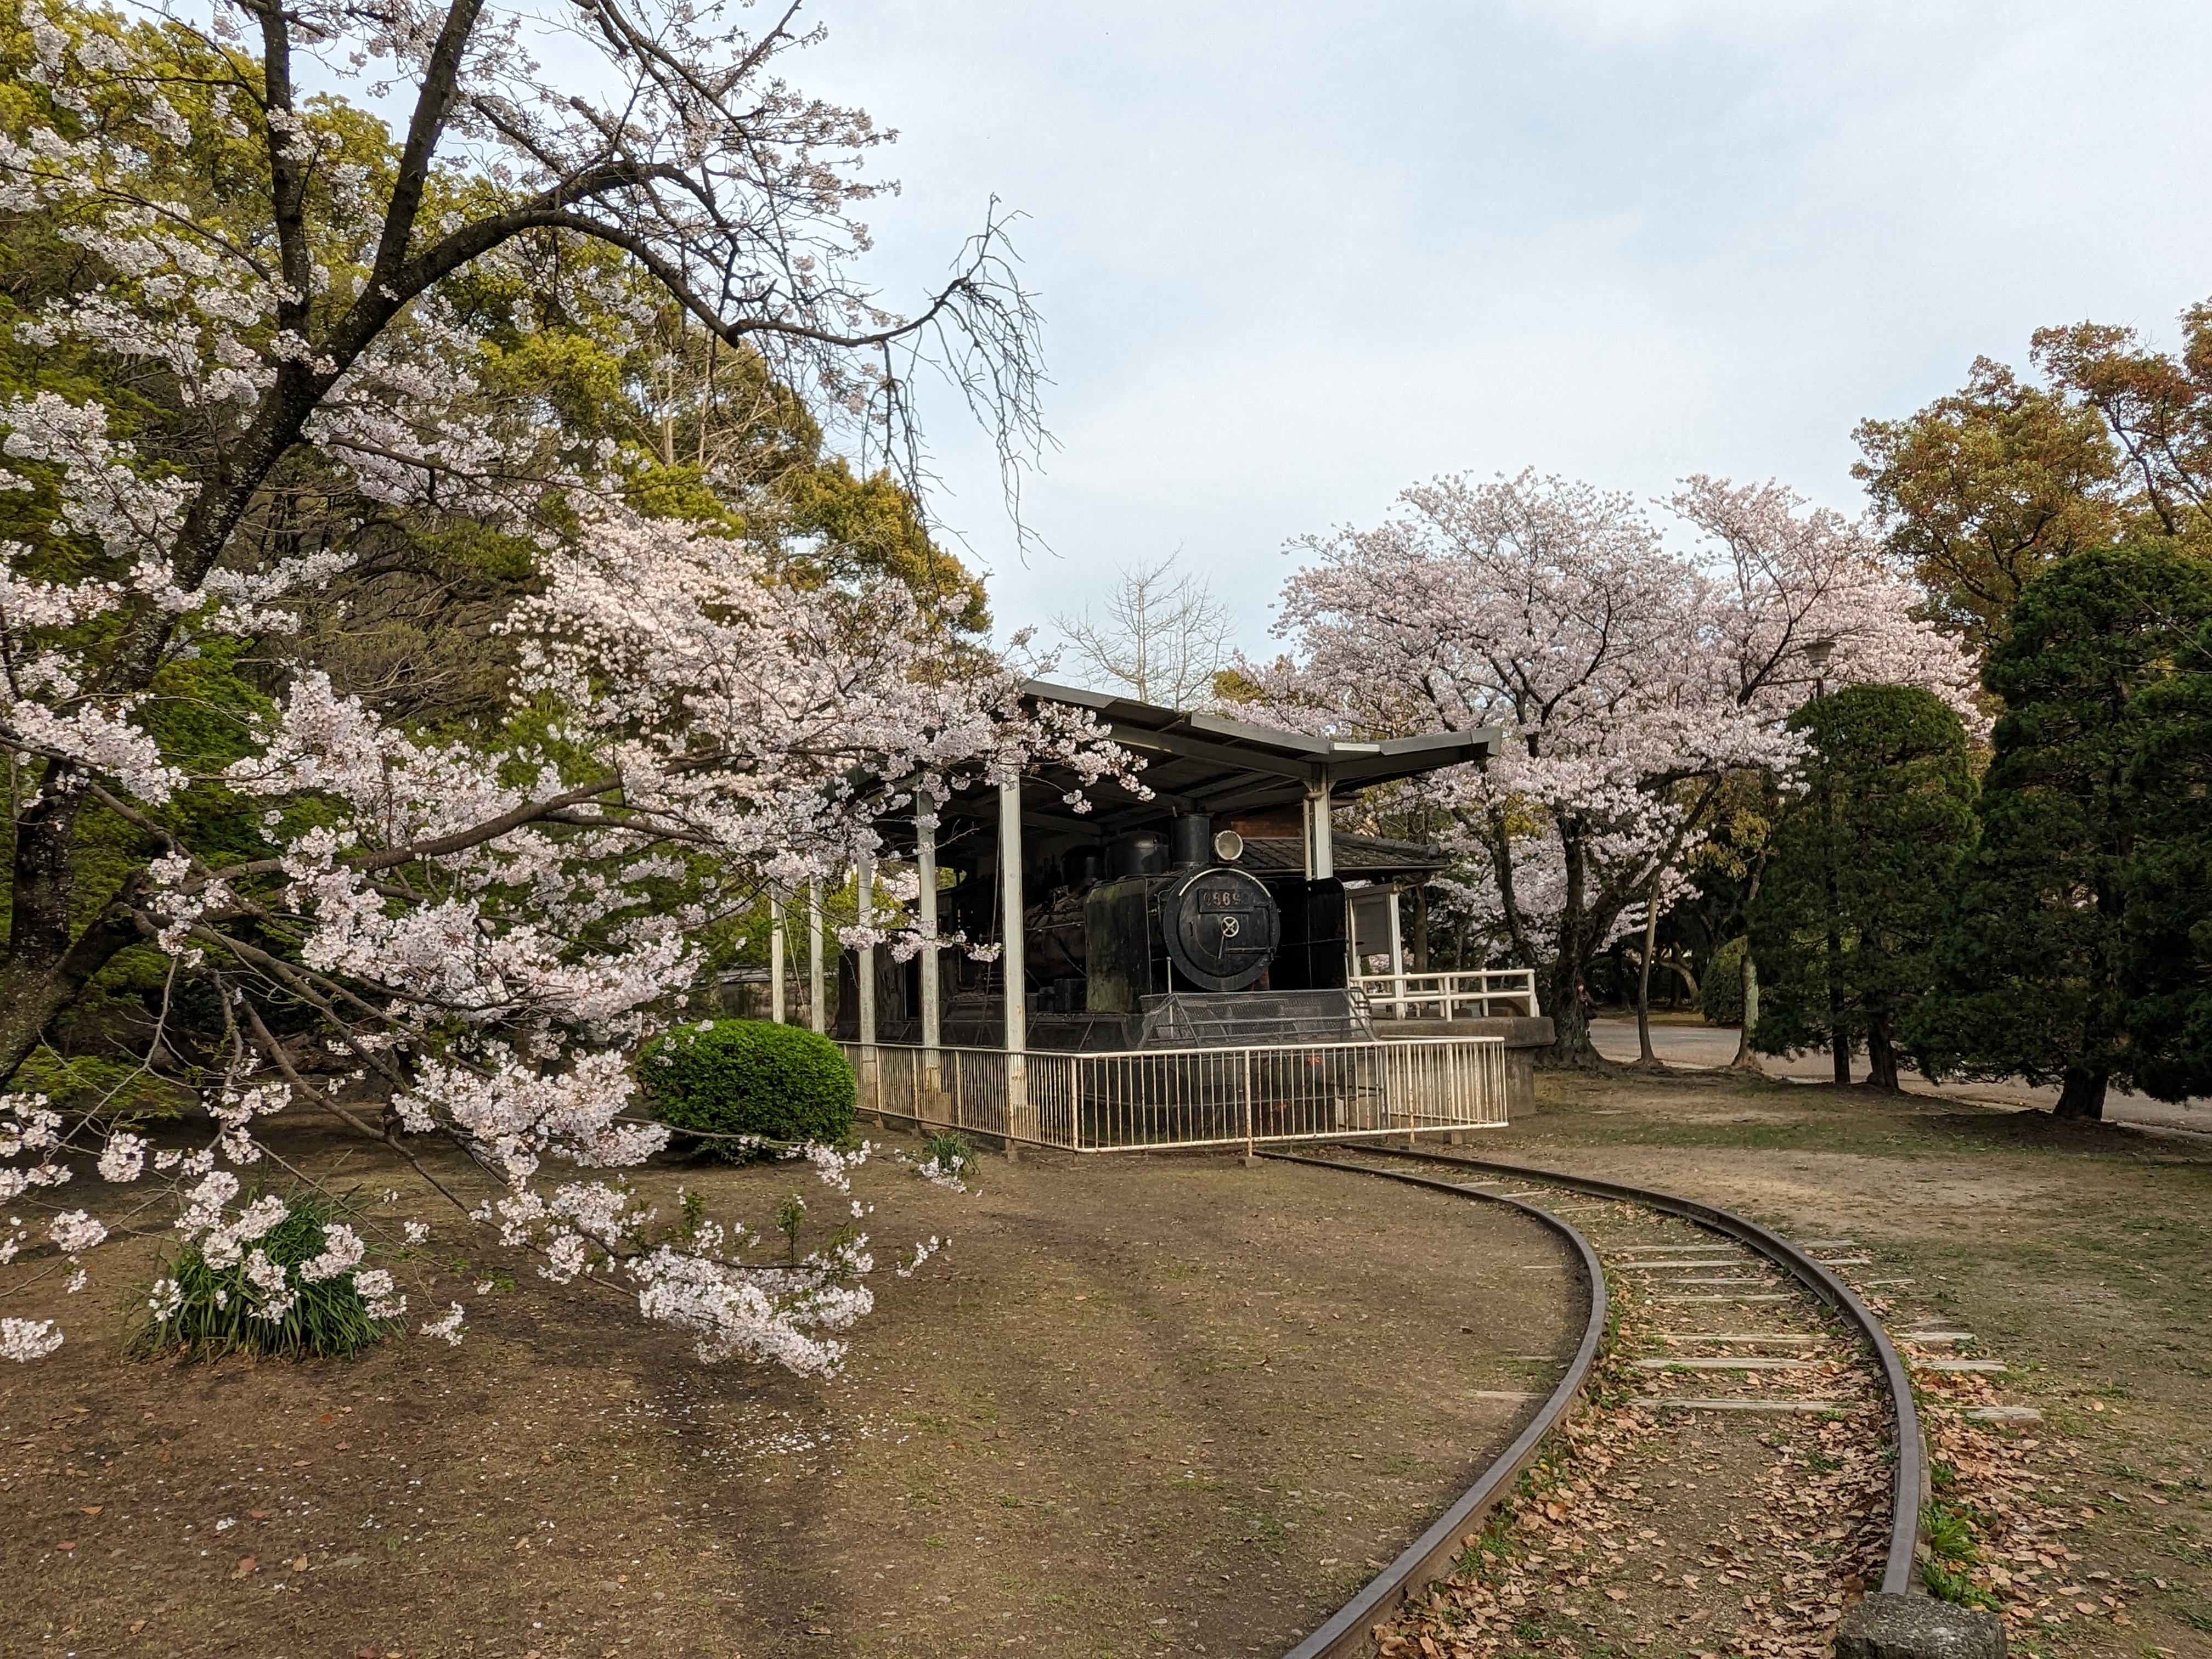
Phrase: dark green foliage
(2166, 961)
(329, 1320)
(749, 1077)
(1720, 992)
(1952, 1534)
(2032, 965)
(1853, 902)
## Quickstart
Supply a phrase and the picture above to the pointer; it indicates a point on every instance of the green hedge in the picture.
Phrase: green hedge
(1721, 991)
(749, 1077)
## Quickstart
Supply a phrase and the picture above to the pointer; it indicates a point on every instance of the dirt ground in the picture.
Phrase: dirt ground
(1139, 1406)
(2080, 1254)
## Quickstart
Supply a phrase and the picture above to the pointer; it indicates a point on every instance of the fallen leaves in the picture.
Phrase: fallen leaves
(1805, 1534)
(2022, 1566)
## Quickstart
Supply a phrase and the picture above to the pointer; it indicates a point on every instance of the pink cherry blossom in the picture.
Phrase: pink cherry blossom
(481, 929)
(1623, 676)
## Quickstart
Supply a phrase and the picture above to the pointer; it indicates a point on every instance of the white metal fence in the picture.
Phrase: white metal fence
(1120, 1101)
(1476, 994)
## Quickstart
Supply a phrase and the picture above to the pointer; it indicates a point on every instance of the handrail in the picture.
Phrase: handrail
(1055, 1055)
(1447, 988)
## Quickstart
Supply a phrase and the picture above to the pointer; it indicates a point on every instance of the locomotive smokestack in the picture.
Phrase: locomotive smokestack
(1191, 839)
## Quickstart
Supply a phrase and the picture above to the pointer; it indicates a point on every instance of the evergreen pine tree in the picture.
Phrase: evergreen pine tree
(1856, 891)
(2166, 951)
(2034, 965)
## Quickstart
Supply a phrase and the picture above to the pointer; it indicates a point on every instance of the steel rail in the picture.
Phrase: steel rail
(1345, 1633)
(1910, 1493)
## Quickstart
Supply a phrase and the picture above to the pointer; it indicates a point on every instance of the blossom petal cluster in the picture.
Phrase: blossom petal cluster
(1619, 673)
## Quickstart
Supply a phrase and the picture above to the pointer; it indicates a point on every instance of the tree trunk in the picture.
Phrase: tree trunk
(32, 995)
(1421, 930)
(1745, 1059)
(1645, 1057)
(1571, 1044)
(2083, 1095)
(1840, 1041)
(1881, 1056)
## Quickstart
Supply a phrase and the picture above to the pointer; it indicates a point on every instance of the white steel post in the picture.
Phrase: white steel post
(775, 1009)
(864, 901)
(1397, 960)
(1324, 843)
(818, 1004)
(1321, 857)
(1013, 971)
(863, 975)
(1251, 1150)
(925, 856)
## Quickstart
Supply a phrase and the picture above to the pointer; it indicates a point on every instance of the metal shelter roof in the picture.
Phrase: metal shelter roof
(1357, 857)
(1206, 763)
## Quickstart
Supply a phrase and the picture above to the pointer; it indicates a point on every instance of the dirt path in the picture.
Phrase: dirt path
(1686, 1041)
(1140, 1406)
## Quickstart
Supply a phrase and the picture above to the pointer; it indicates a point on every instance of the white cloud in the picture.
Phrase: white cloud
(1293, 256)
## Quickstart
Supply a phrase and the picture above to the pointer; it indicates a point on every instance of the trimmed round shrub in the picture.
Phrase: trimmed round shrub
(749, 1077)
(1721, 992)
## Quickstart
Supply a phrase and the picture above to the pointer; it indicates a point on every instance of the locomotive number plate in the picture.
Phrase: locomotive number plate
(1225, 898)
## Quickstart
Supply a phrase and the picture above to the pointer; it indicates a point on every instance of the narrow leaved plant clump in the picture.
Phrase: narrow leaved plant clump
(285, 1276)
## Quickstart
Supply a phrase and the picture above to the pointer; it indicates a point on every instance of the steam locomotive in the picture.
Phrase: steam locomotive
(1148, 940)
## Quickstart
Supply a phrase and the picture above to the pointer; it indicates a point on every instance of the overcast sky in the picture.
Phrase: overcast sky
(1292, 257)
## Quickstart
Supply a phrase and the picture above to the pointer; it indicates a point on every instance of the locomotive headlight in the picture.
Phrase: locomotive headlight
(1228, 845)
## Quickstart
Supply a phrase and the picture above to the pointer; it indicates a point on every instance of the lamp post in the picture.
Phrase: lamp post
(1839, 1046)
(1816, 658)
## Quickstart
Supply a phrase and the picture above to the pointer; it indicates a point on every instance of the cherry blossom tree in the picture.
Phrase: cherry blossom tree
(415, 932)
(1628, 678)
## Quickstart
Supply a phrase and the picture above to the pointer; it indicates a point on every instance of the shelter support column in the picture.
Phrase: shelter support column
(775, 998)
(924, 858)
(1320, 847)
(817, 1006)
(1013, 969)
(863, 975)
(1397, 960)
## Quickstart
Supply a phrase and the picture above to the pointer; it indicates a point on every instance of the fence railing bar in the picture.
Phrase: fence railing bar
(1247, 1095)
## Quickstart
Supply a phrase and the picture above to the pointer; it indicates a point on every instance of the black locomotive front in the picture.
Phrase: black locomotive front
(1145, 940)
(1198, 925)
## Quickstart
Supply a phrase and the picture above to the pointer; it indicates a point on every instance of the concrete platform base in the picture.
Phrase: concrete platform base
(1523, 1037)
(1918, 1627)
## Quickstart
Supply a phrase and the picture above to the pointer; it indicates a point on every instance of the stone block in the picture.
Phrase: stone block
(1918, 1627)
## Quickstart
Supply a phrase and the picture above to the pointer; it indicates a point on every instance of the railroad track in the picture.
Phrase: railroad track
(1721, 1322)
